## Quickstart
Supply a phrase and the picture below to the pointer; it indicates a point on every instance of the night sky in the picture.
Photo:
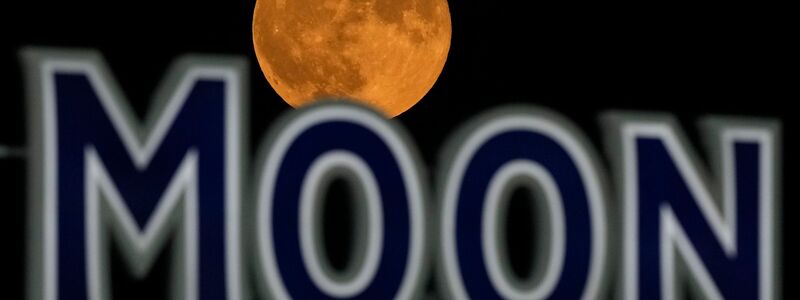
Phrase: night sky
(579, 61)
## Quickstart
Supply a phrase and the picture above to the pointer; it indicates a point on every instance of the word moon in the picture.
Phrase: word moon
(99, 177)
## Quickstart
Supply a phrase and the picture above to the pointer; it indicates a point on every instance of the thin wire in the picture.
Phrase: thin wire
(12, 152)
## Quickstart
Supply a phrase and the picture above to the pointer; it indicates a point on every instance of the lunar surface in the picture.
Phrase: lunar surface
(384, 53)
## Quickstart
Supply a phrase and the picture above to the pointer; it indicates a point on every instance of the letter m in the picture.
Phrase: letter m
(97, 177)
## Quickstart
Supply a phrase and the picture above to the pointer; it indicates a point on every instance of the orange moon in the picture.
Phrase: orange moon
(386, 54)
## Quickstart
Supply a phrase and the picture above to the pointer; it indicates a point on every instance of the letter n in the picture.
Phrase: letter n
(713, 232)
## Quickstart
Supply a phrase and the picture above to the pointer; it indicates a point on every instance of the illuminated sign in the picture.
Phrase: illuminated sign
(99, 177)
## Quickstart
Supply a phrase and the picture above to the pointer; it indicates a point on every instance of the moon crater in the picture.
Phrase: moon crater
(387, 54)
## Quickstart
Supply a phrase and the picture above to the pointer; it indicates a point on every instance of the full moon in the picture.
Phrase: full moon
(385, 54)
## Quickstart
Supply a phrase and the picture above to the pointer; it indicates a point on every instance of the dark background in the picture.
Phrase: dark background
(580, 61)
